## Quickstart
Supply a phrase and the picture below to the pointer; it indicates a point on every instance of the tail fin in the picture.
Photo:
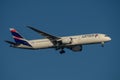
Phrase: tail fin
(18, 38)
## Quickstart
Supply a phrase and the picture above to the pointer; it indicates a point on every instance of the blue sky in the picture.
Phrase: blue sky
(60, 18)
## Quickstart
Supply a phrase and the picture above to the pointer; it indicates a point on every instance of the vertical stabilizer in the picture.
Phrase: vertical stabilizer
(18, 38)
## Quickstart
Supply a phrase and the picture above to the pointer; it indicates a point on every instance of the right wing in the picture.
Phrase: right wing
(52, 38)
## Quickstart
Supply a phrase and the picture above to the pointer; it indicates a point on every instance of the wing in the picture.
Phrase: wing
(52, 38)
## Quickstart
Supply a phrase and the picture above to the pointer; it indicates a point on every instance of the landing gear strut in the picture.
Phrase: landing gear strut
(62, 51)
(102, 44)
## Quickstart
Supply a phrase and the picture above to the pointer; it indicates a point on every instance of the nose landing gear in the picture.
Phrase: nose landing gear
(102, 44)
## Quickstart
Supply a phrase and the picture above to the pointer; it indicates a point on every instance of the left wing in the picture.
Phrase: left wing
(52, 38)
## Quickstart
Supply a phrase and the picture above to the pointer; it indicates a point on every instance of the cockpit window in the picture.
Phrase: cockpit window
(106, 35)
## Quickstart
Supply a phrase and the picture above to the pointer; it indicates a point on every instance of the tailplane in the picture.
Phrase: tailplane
(10, 42)
(18, 38)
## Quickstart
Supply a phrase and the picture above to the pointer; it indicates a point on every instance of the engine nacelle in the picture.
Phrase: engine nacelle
(66, 40)
(76, 48)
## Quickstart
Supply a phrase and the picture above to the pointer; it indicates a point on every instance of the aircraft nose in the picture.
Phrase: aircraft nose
(109, 38)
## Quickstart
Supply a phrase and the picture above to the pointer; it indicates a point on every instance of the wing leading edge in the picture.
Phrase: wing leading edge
(52, 38)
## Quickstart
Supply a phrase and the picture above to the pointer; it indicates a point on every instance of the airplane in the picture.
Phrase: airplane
(74, 43)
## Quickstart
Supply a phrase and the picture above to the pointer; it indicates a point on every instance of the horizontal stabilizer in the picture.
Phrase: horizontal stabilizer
(10, 42)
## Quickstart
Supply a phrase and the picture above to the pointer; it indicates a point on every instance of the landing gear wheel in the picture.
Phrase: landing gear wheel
(62, 51)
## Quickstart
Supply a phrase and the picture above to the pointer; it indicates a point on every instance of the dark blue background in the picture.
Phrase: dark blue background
(60, 18)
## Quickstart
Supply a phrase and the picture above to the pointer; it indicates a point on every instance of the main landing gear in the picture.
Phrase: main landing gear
(62, 51)
(60, 47)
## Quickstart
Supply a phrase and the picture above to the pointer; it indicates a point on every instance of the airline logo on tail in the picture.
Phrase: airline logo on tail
(18, 38)
(15, 33)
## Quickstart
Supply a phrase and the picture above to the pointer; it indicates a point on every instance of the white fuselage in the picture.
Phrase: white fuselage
(76, 40)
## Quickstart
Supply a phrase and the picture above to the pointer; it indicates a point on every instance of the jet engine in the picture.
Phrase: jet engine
(76, 48)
